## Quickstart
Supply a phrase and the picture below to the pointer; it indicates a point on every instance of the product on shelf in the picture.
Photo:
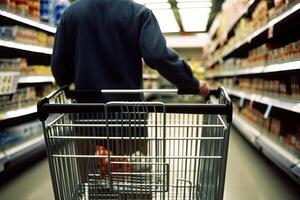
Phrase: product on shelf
(22, 7)
(23, 97)
(281, 130)
(20, 65)
(26, 35)
(12, 64)
(287, 86)
(49, 11)
(12, 136)
(8, 82)
(263, 55)
(34, 8)
(262, 13)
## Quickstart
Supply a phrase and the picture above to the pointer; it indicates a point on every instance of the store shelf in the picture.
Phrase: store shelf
(25, 47)
(285, 16)
(18, 116)
(286, 104)
(36, 79)
(248, 9)
(24, 148)
(275, 152)
(280, 67)
(27, 21)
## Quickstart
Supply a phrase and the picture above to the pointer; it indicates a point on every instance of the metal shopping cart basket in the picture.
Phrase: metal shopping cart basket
(136, 150)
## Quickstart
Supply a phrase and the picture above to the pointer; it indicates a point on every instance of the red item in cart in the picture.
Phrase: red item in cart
(103, 163)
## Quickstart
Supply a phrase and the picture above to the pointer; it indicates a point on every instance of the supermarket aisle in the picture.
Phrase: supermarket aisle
(249, 177)
(32, 184)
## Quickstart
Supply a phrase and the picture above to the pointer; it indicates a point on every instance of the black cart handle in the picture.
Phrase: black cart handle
(44, 108)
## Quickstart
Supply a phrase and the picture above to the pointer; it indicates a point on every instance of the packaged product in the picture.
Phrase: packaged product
(22, 7)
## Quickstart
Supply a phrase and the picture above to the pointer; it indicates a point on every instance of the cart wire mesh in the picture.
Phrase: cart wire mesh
(136, 150)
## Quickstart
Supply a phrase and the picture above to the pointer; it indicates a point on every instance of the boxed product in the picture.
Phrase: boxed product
(8, 82)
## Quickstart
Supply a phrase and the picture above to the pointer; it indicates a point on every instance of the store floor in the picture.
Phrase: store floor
(249, 177)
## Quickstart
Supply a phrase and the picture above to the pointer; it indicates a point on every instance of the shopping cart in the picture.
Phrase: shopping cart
(136, 150)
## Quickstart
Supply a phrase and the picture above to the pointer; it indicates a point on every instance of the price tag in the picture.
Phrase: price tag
(251, 104)
(268, 111)
(242, 102)
(271, 32)
(252, 99)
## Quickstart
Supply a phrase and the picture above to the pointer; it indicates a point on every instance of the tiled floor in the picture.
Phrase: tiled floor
(249, 177)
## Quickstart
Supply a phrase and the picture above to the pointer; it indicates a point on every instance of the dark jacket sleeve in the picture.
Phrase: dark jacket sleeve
(156, 55)
(59, 62)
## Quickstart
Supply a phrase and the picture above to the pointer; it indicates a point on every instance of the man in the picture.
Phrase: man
(100, 44)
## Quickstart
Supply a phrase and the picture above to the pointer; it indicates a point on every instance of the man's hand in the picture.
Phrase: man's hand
(204, 88)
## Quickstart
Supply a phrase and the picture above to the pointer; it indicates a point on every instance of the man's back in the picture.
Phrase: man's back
(103, 43)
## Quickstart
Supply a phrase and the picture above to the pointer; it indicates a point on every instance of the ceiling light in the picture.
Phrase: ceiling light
(194, 19)
(166, 20)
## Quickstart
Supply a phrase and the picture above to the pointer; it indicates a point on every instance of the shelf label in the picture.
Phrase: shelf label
(271, 32)
(268, 111)
(242, 102)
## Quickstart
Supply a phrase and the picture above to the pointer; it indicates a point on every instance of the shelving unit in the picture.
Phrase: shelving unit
(35, 55)
(286, 16)
(25, 47)
(26, 21)
(278, 30)
(18, 116)
(248, 9)
(272, 68)
(290, 105)
(20, 150)
(279, 155)
(36, 79)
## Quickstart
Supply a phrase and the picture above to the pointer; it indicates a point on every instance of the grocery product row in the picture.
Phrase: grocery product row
(283, 86)
(26, 36)
(17, 71)
(276, 125)
(49, 11)
(263, 56)
(267, 19)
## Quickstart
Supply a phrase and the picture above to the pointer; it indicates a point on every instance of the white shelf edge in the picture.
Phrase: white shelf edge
(150, 76)
(248, 131)
(26, 47)
(280, 156)
(28, 21)
(280, 67)
(36, 79)
(25, 146)
(19, 112)
(289, 105)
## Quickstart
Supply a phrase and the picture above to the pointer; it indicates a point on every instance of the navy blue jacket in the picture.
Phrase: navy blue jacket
(100, 44)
